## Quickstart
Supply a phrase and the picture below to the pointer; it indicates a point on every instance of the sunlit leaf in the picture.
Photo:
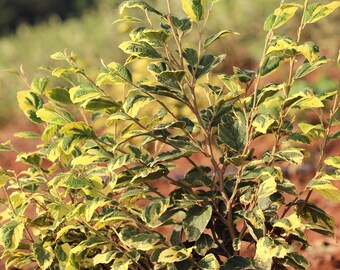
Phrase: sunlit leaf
(174, 254)
(195, 9)
(333, 161)
(217, 36)
(281, 15)
(267, 249)
(137, 4)
(196, 221)
(84, 92)
(316, 11)
(11, 234)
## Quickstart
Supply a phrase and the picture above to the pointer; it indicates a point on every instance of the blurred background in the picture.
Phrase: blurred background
(32, 30)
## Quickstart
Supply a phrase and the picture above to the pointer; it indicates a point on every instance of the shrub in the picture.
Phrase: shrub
(180, 168)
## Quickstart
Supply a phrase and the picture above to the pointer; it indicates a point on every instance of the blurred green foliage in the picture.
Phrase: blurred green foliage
(93, 37)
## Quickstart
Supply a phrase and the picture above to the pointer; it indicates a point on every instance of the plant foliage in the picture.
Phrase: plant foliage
(168, 171)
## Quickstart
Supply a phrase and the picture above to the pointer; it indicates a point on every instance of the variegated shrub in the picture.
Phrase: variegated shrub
(162, 163)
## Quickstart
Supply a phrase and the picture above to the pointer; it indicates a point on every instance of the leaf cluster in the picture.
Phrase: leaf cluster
(166, 171)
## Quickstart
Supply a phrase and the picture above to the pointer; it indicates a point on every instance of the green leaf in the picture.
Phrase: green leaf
(316, 218)
(150, 174)
(134, 103)
(120, 161)
(207, 63)
(191, 56)
(197, 177)
(238, 263)
(98, 104)
(163, 91)
(84, 92)
(152, 213)
(78, 128)
(183, 25)
(170, 156)
(291, 155)
(176, 235)
(268, 248)
(58, 56)
(243, 75)
(195, 9)
(335, 136)
(165, 75)
(143, 241)
(217, 36)
(333, 161)
(157, 68)
(119, 70)
(282, 46)
(114, 216)
(6, 146)
(232, 84)
(298, 137)
(316, 11)
(115, 117)
(54, 115)
(104, 258)
(232, 133)
(209, 262)
(32, 159)
(128, 19)
(62, 71)
(39, 85)
(268, 91)
(137, 4)
(84, 160)
(255, 218)
(315, 131)
(325, 189)
(263, 122)
(156, 35)
(310, 50)
(177, 124)
(174, 75)
(11, 234)
(204, 244)
(17, 199)
(297, 261)
(281, 15)
(59, 95)
(271, 64)
(27, 134)
(290, 224)
(49, 132)
(3, 178)
(287, 187)
(29, 103)
(174, 254)
(73, 183)
(267, 188)
(92, 206)
(44, 255)
(196, 221)
(140, 49)
(121, 264)
(304, 100)
(308, 67)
